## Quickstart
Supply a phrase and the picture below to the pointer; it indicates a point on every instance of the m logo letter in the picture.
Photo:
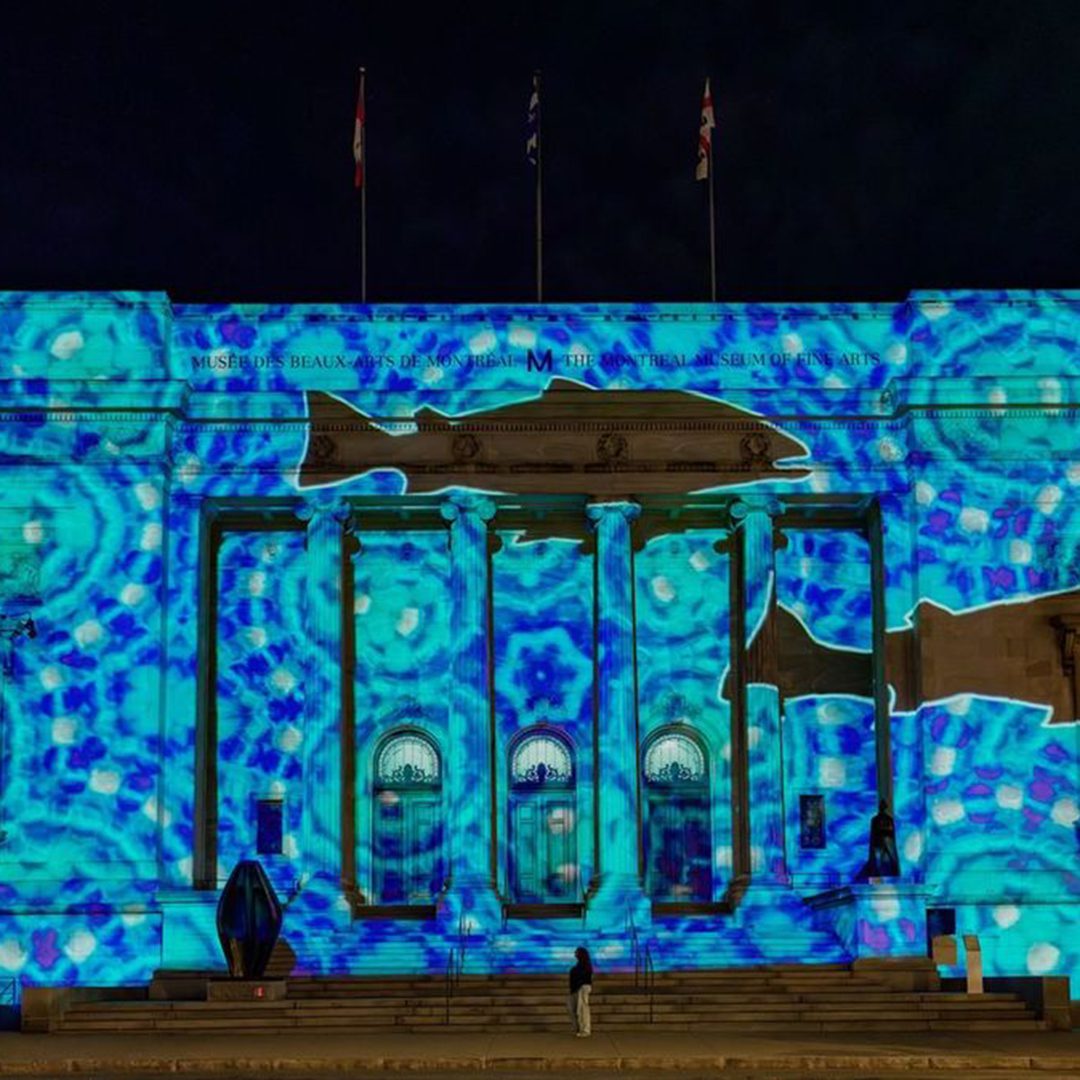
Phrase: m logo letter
(543, 363)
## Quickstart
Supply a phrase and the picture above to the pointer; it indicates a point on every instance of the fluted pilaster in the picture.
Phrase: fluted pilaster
(323, 719)
(764, 755)
(618, 818)
(469, 767)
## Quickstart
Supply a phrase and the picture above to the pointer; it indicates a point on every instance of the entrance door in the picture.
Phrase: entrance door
(408, 829)
(408, 842)
(677, 861)
(542, 843)
(678, 836)
(543, 835)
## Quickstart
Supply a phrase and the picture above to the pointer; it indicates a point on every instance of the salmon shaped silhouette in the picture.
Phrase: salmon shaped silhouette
(568, 440)
(1019, 650)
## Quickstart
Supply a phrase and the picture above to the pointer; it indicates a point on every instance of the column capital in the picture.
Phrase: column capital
(459, 504)
(597, 511)
(746, 505)
(340, 510)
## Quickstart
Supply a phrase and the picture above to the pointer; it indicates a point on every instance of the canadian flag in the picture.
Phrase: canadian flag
(704, 146)
(358, 136)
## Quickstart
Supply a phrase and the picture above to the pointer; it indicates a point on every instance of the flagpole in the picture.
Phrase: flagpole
(712, 226)
(363, 192)
(539, 197)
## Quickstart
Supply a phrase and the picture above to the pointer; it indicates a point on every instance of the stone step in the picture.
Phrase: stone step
(629, 995)
(889, 1024)
(522, 978)
(211, 1011)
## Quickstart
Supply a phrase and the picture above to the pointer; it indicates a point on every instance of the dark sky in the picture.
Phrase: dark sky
(863, 149)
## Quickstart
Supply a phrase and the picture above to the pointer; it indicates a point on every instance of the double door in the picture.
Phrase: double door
(409, 866)
(543, 860)
(678, 863)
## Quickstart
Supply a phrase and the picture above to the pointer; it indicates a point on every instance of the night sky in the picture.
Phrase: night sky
(863, 149)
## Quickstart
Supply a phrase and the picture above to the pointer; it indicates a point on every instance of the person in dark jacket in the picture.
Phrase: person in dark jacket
(580, 989)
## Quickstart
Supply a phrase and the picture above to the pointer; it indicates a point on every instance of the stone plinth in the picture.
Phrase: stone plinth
(245, 990)
(875, 920)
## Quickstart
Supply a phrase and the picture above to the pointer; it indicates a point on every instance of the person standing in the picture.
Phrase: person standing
(580, 989)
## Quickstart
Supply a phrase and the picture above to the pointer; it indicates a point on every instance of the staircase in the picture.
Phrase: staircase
(792, 998)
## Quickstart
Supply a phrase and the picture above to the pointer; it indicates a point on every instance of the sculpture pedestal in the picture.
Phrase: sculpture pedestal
(875, 920)
(245, 990)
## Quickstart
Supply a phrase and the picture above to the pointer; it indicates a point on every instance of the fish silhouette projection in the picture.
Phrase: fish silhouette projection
(568, 440)
(1014, 650)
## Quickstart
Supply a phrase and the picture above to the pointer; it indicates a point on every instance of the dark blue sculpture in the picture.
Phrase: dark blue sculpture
(249, 917)
(884, 861)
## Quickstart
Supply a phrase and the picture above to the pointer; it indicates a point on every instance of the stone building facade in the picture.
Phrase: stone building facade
(513, 628)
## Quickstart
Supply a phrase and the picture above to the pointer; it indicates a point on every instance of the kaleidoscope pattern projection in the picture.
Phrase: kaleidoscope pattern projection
(828, 739)
(262, 608)
(401, 620)
(544, 683)
(124, 414)
(682, 598)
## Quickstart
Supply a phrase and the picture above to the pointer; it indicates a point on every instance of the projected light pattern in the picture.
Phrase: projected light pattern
(1001, 793)
(544, 679)
(829, 750)
(261, 660)
(682, 598)
(978, 505)
(823, 577)
(401, 619)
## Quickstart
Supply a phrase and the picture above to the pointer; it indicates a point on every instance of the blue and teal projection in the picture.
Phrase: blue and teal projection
(598, 655)
(683, 639)
(823, 576)
(261, 660)
(401, 685)
(543, 655)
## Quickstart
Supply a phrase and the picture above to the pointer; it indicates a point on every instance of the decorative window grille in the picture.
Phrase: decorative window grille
(675, 759)
(541, 760)
(407, 761)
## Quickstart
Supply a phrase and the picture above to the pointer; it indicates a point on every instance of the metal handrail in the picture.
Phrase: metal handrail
(650, 979)
(635, 950)
(452, 973)
(463, 944)
(7, 992)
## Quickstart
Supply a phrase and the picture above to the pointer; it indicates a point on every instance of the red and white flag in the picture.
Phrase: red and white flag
(704, 148)
(358, 136)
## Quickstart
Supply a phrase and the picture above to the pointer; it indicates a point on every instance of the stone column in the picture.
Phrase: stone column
(323, 714)
(187, 793)
(471, 902)
(618, 892)
(764, 740)
(883, 755)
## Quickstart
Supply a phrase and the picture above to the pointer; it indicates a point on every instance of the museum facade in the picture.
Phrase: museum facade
(504, 629)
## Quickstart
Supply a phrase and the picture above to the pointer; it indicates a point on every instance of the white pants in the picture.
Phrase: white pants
(578, 1005)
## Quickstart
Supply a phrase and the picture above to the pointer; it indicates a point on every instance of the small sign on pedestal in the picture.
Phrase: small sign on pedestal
(943, 949)
(974, 964)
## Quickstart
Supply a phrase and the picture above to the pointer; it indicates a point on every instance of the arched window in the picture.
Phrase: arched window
(407, 760)
(675, 759)
(541, 761)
